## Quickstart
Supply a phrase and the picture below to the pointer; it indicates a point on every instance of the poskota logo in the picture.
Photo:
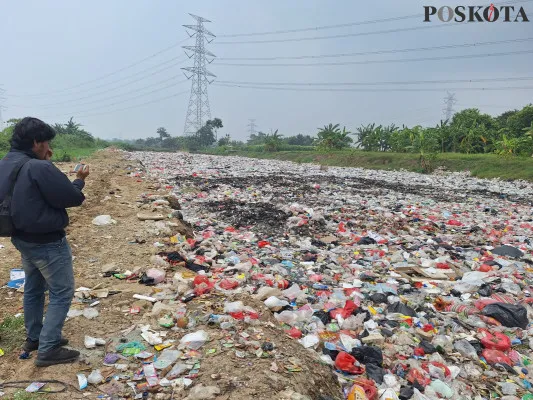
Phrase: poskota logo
(490, 13)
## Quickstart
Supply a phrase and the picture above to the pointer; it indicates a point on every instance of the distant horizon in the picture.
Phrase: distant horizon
(61, 58)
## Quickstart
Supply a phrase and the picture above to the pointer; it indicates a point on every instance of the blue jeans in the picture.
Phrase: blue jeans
(47, 267)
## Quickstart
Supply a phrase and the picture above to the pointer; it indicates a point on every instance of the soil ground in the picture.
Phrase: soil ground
(110, 190)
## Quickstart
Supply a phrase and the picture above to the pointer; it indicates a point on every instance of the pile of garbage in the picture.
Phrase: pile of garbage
(379, 285)
(406, 286)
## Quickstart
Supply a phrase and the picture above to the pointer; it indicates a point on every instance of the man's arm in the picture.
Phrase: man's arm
(56, 188)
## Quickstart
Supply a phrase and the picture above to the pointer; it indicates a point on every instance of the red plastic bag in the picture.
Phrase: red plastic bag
(496, 341)
(369, 386)
(416, 375)
(485, 268)
(496, 357)
(263, 243)
(345, 312)
(228, 284)
(454, 222)
(199, 279)
(295, 333)
(345, 362)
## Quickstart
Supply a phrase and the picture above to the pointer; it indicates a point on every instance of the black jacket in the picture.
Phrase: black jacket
(42, 194)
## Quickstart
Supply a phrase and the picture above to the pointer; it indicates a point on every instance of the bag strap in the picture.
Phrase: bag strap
(14, 176)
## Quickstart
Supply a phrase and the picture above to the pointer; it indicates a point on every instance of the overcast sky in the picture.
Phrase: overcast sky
(49, 46)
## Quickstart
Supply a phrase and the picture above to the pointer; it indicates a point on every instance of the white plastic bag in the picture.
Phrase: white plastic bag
(103, 220)
(195, 340)
(274, 302)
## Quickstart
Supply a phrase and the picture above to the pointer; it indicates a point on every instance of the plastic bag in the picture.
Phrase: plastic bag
(310, 341)
(509, 315)
(345, 362)
(234, 307)
(95, 377)
(103, 220)
(167, 358)
(466, 349)
(195, 340)
(375, 372)
(417, 375)
(274, 302)
(496, 357)
(401, 308)
(90, 313)
(156, 274)
(368, 355)
(292, 292)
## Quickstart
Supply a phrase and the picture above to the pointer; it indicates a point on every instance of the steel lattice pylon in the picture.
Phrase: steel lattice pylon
(198, 111)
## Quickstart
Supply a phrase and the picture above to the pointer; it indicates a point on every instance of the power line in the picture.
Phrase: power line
(519, 52)
(477, 80)
(54, 105)
(365, 53)
(317, 28)
(299, 89)
(106, 75)
(122, 109)
(180, 60)
(345, 25)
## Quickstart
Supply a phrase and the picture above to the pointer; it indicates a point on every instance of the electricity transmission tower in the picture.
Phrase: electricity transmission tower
(449, 102)
(251, 127)
(198, 111)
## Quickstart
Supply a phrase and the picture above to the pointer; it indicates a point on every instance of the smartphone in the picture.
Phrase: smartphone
(79, 167)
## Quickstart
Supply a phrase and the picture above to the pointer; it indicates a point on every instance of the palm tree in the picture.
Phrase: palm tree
(273, 142)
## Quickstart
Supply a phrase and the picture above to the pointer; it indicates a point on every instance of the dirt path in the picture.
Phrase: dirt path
(110, 190)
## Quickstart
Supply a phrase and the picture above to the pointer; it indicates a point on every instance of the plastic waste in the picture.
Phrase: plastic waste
(103, 220)
(90, 313)
(508, 315)
(273, 302)
(442, 389)
(177, 370)
(95, 377)
(346, 363)
(466, 349)
(310, 341)
(496, 357)
(156, 274)
(195, 340)
(166, 358)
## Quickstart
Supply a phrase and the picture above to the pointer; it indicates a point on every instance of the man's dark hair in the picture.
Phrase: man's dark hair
(30, 130)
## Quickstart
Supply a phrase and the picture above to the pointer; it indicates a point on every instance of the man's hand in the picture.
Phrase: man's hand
(48, 155)
(83, 172)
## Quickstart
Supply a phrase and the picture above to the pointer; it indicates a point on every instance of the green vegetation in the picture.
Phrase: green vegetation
(480, 165)
(12, 333)
(71, 143)
(204, 138)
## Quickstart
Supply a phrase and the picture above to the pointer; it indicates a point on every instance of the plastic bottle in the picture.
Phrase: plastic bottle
(441, 388)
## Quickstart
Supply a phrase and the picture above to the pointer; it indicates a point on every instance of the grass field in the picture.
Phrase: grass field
(480, 165)
(68, 154)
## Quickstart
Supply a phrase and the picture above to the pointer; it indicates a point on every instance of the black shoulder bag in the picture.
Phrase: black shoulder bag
(6, 221)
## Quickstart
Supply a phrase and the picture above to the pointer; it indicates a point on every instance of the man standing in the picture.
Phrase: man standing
(38, 208)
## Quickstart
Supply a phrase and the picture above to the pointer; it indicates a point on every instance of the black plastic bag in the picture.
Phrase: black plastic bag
(366, 241)
(401, 308)
(406, 392)
(323, 316)
(368, 355)
(375, 373)
(508, 251)
(485, 290)
(427, 347)
(378, 298)
(508, 315)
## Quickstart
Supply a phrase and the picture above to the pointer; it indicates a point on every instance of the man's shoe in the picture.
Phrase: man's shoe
(59, 355)
(30, 346)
